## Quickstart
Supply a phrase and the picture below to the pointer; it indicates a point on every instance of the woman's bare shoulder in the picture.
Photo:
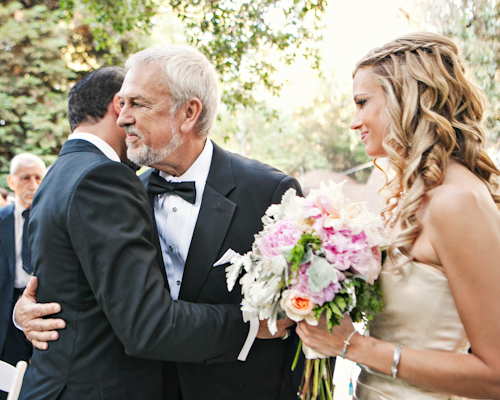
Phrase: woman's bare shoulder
(461, 194)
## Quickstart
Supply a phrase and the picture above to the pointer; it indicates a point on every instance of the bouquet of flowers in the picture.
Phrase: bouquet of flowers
(315, 254)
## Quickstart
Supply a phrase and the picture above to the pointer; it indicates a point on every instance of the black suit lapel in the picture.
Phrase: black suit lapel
(213, 222)
(156, 238)
(7, 235)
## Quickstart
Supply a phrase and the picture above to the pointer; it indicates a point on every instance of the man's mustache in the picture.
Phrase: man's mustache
(130, 130)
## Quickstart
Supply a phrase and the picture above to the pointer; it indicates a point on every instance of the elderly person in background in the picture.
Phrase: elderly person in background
(26, 173)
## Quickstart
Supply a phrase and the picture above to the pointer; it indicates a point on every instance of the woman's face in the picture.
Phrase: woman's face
(370, 117)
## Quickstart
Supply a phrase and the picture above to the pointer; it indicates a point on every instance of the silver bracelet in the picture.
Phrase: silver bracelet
(395, 360)
(346, 343)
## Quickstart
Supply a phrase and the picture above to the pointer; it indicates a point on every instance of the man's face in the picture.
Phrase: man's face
(25, 182)
(152, 134)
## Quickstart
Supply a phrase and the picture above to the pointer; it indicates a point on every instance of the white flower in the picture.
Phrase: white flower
(279, 264)
(234, 270)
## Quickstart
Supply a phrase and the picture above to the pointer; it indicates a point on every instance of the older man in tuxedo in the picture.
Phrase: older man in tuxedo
(207, 202)
(169, 103)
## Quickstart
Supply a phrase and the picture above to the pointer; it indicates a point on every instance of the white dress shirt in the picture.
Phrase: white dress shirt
(176, 218)
(97, 142)
(22, 277)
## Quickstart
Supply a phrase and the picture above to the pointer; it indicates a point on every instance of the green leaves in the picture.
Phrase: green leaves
(243, 38)
(368, 303)
(475, 24)
(300, 249)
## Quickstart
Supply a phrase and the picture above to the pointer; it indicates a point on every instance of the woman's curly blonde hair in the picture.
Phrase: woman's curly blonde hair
(435, 114)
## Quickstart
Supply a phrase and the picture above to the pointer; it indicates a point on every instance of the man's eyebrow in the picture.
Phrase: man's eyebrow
(135, 97)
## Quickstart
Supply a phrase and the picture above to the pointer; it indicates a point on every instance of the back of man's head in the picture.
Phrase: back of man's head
(186, 73)
(88, 100)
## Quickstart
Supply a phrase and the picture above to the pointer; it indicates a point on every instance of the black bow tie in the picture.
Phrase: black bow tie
(186, 190)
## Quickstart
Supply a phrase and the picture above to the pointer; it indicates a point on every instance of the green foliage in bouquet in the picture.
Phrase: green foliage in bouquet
(369, 299)
(300, 250)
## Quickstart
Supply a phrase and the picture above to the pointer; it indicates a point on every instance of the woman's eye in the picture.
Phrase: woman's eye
(361, 103)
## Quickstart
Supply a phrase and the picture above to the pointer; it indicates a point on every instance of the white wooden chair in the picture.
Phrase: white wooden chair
(11, 378)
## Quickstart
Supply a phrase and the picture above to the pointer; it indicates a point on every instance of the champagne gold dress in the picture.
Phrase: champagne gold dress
(419, 313)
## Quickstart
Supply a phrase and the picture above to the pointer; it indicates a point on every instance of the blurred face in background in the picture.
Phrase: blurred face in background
(24, 183)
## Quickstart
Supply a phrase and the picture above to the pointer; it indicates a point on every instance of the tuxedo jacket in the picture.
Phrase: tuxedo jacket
(90, 237)
(7, 269)
(236, 196)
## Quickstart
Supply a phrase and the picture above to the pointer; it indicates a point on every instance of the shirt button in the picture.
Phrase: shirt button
(174, 209)
(178, 283)
(171, 248)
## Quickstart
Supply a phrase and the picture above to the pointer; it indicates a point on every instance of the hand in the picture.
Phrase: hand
(28, 315)
(282, 325)
(321, 340)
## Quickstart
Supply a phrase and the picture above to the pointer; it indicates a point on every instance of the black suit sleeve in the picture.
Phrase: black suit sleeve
(285, 184)
(109, 223)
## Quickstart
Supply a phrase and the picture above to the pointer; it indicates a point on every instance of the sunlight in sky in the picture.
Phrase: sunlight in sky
(352, 29)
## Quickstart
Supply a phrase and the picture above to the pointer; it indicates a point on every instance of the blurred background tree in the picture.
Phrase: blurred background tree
(48, 45)
(316, 136)
(475, 25)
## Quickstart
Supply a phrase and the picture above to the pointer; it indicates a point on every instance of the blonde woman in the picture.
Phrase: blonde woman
(441, 281)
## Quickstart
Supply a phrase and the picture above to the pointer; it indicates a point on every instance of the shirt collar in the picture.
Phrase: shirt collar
(18, 208)
(97, 142)
(197, 172)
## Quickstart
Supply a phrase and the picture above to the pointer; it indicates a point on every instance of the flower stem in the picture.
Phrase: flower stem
(316, 378)
(308, 377)
(297, 354)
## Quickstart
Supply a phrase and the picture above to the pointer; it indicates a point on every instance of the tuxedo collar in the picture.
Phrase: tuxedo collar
(78, 146)
(7, 235)
(214, 219)
(221, 176)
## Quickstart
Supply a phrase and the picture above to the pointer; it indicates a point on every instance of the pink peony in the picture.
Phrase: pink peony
(282, 233)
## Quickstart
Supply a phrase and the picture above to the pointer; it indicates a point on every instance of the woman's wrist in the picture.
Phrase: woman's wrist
(372, 352)
(352, 349)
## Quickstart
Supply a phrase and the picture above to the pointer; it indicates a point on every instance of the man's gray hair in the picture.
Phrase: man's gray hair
(187, 74)
(25, 160)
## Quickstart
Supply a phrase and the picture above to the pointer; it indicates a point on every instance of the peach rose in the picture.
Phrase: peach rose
(298, 306)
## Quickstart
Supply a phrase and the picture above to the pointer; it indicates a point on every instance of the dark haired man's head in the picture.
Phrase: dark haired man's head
(89, 99)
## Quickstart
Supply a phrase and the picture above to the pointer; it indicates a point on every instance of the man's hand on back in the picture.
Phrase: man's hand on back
(28, 314)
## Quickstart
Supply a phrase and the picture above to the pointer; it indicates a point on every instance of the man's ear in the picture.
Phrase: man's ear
(116, 104)
(10, 182)
(190, 113)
